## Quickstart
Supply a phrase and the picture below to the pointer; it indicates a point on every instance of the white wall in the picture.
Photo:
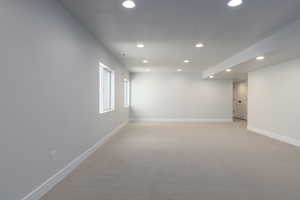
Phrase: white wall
(49, 93)
(274, 100)
(178, 96)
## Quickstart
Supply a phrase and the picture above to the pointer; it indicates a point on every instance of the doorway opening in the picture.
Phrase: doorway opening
(240, 101)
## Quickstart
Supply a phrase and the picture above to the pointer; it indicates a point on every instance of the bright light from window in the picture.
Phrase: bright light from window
(179, 70)
(145, 61)
(211, 76)
(106, 89)
(186, 61)
(126, 93)
(228, 70)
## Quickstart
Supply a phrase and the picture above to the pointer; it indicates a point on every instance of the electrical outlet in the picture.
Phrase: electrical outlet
(53, 154)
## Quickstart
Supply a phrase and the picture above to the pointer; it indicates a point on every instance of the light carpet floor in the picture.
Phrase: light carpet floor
(186, 161)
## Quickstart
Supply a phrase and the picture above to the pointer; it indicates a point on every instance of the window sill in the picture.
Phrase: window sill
(107, 111)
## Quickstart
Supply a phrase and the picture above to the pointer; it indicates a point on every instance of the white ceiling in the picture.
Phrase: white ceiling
(170, 29)
(279, 47)
(241, 70)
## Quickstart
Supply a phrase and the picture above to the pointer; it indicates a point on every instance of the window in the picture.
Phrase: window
(106, 89)
(126, 93)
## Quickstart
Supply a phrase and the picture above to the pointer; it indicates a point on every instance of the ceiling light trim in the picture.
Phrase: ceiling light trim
(128, 4)
(199, 45)
(140, 45)
(235, 3)
(260, 58)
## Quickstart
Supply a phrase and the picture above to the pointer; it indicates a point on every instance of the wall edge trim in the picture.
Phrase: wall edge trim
(46, 186)
(181, 119)
(275, 136)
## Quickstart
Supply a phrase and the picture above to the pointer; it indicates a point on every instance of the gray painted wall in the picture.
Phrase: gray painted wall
(179, 96)
(274, 99)
(49, 93)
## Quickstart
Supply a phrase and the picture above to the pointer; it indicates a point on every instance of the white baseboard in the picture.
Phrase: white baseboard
(41, 190)
(183, 120)
(275, 136)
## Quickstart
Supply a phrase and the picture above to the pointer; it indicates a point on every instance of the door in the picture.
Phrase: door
(240, 98)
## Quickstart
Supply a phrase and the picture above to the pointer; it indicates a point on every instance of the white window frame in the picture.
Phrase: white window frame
(126, 93)
(103, 67)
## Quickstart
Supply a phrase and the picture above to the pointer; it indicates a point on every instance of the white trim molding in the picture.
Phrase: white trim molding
(182, 120)
(275, 136)
(45, 187)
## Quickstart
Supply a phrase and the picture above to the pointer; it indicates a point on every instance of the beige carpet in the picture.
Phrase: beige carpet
(192, 161)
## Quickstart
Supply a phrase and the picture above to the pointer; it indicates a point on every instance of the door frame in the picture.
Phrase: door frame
(234, 100)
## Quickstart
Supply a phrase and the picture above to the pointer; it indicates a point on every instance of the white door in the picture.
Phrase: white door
(240, 98)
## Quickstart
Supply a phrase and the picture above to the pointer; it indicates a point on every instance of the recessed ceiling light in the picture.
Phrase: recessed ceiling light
(260, 57)
(186, 61)
(199, 45)
(140, 45)
(145, 61)
(211, 76)
(234, 3)
(179, 70)
(148, 70)
(228, 70)
(128, 4)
